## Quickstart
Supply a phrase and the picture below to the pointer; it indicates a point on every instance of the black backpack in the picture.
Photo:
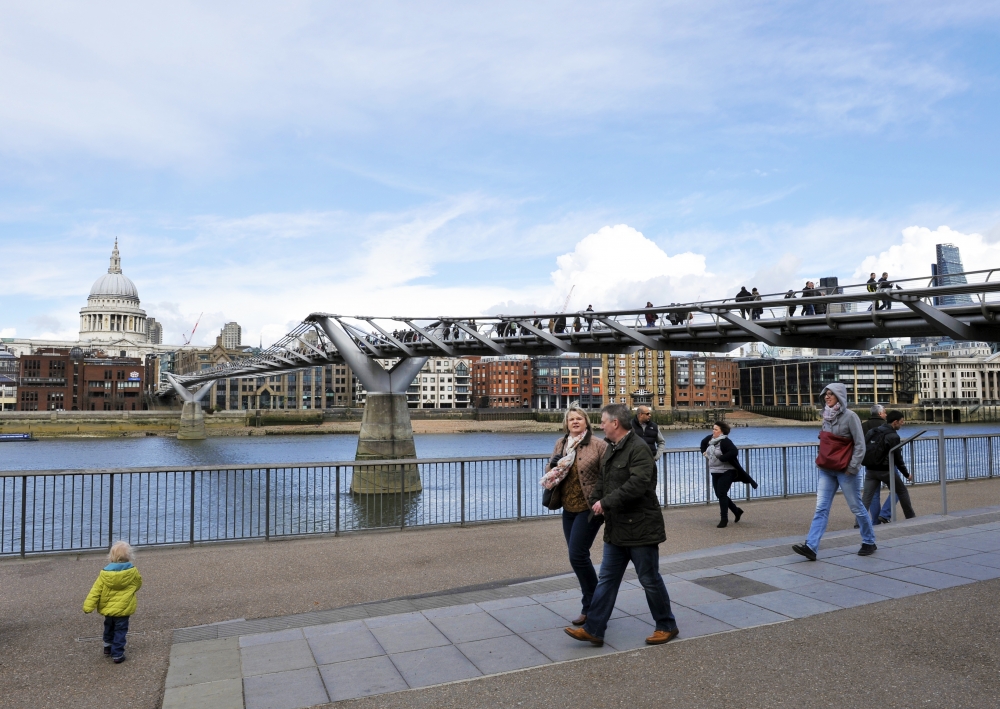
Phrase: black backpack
(876, 448)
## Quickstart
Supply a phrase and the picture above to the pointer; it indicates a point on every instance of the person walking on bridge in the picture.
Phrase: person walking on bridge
(570, 475)
(645, 428)
(841, 450)
(625, 493)
(743, 296)
(885, 286)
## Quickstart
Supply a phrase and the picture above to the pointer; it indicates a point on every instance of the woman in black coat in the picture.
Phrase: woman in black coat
(724, 465)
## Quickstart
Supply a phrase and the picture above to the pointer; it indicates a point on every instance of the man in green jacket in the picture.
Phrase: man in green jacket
(625, 494)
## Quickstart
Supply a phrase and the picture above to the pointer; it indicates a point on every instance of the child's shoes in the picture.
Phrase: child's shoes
(119, 660)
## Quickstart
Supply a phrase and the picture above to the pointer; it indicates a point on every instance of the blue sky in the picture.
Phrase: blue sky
(258, 164)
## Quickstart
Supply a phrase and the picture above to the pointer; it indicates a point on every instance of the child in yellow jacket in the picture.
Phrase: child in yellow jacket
(113, 596)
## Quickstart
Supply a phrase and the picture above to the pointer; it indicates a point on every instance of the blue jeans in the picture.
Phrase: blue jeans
(881, 510)
(826, 485)
(580, 533)
(647, 566)
(115, 630)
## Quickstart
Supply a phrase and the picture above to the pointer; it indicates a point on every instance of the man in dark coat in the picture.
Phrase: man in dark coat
(878, 473)
(625, 493)
(743, 295)
(645, 428)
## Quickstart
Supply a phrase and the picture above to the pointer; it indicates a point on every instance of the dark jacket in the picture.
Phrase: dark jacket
(744, 294)
(872, 422)
(626, 490)
(881, 471)
(731, 454)
(648, 435)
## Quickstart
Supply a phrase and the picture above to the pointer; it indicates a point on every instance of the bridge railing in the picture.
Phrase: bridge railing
(59, 511)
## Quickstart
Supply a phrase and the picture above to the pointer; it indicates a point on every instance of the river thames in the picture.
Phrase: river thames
(96, 453)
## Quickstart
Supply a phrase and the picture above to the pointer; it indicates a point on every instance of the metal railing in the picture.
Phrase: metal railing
(58, 511)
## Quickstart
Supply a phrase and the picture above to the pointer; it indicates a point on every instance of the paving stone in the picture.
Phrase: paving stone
(361, 678)
(452, 611)
(398, 619)
(698, 574)
(868, 564)
(791, 604)
(277, 636)
(501, 603)
(824, 570)
(203, 661)
(838, 595)
(628, 633)
(743, 566)
(781, 577)
(527, 619)
(224, 694)
(734, 585)
(556, 645)
(693, 624)
(923, 553)
(974, 542)
(783, 560)
(347, 644)
(435, 665)
(285, 690)
(552, 596)
(926, 577)
(467, 628)
(964, 567)
(502, 654)
(328, 628)
(739, 613)
(409, 636)
(890, 588)
(691, 594)
(276, 657)
(389, 608)
(985, 559)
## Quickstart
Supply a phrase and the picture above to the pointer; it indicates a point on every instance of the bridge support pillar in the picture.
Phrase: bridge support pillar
(386, 434)
(192, 426)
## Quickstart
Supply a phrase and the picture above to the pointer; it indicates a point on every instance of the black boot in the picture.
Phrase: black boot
(738, 514)
(723, 523)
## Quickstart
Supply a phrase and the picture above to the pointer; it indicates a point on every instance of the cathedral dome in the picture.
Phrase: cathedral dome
(114, 284)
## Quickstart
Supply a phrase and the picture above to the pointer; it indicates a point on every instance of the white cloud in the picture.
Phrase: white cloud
(912, 258)
(8, 332)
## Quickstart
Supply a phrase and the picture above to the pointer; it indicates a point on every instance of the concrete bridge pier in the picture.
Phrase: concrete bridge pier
(192, 427)
(386, 432)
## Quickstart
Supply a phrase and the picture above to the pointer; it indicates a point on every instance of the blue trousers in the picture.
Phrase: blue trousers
(115, 630)
(580, 531)
(826, 486)
(646, 561)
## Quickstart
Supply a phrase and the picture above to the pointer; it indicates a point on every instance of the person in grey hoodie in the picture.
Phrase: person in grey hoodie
(841, 450)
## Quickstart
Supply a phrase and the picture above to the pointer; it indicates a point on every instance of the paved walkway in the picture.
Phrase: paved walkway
(314, 658)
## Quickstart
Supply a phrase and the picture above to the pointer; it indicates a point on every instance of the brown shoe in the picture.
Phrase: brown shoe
(661, 636)
(580, 620)
(583, 636)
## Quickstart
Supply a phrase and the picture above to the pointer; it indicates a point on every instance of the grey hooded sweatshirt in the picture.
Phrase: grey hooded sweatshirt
(846, 424)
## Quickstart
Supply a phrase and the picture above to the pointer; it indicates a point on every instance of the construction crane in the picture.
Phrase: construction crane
(566, 303)
(187, 338)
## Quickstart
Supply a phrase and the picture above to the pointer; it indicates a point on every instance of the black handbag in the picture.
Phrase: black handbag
(552, 499)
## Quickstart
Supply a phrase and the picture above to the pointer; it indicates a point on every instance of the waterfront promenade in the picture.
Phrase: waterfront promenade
(936, 645)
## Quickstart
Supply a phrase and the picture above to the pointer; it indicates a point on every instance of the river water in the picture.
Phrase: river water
(91, 453)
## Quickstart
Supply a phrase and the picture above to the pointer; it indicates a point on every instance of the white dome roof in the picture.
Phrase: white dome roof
(114, 285)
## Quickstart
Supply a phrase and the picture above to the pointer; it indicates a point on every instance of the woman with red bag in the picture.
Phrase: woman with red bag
(841, 449)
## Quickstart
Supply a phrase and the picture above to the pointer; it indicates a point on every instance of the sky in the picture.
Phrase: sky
(258, 162)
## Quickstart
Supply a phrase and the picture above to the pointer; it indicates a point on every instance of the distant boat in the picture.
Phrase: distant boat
(16, 437)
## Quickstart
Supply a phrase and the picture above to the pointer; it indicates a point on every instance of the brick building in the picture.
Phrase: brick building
(705, 381)
(502, 382)
(559, 381)
(53, 379)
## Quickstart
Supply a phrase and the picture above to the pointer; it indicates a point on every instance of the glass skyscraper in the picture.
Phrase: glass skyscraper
(949, 263)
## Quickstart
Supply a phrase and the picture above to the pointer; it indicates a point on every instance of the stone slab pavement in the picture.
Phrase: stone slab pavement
(315, 658)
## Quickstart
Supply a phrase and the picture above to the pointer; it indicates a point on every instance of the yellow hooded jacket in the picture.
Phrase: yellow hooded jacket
(113, 593)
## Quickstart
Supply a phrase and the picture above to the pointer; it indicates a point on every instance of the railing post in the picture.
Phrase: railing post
(989, 454)
(462, 485)
(267, 504)
(336, 502)
(24, 512)
(402, 495)
(663, 485)
(519, 489)
(191, 512)
(943, 472)
(111, 510)
(708, 484)
(746, 467)
(965, 456)
(784, 471)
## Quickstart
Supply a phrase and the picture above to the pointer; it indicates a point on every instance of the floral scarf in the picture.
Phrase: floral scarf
(831, 412)
(561, 469)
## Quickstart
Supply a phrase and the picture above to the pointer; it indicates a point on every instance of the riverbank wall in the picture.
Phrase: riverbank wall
(166, 422)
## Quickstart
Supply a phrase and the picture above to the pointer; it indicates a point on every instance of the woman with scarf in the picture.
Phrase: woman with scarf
(724, 465)
(569, 480)
(841, 450)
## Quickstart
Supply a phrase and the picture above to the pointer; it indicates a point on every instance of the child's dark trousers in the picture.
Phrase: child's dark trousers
(115, 629)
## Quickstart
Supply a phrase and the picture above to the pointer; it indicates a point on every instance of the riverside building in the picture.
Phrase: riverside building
(704, 381)
(560, 381)
(502, 382)
(640, 378)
